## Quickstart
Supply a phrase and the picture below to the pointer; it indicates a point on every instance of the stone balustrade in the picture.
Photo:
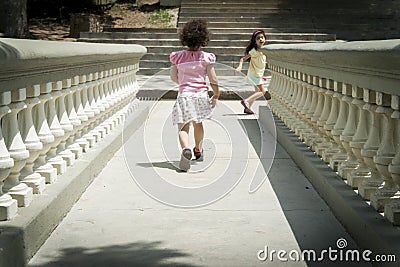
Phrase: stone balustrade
(342, 100)
(57, 100)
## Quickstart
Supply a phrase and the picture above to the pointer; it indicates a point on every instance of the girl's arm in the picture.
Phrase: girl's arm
(212, 76)
(243, 59)
(174, 73)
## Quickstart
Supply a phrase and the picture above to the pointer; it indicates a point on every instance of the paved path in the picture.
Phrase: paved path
(115, 223)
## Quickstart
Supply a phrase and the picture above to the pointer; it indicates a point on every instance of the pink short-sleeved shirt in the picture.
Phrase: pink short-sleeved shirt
(192, 69)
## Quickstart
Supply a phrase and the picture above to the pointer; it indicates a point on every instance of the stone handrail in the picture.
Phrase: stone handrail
(342, 100)
(57, 99)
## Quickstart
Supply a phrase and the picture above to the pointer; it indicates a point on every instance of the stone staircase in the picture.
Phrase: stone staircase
(231, 23)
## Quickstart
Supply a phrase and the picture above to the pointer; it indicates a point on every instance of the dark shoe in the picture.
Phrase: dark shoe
(199, 155)
(245, 104)
(248, 111)
(186, 156)
(267, 95)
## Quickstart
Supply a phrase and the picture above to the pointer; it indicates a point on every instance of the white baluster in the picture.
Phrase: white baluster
(330, 123)
(368, 152)
(305, 98)
(88, 111)
(392, 210)
(65, 123)
(339, 128)
(92, 98)
(8, 205)
(384, 157)
(104, 104)
(324, 142)
(312, 132)
(55, 127)
(80, 112)
(17, 149)
(99, 93)
(32, 142)
(45, 135)
(362, 172)
(349, 131)
(73, 118)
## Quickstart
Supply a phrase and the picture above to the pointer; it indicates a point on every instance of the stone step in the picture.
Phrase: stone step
(260, 3)
(355, 18)
(215, 36)
(146, 30)
(213, 42)
(248, 18)
(357, 4)
(278, 9)
(256, 24)
(240, 30)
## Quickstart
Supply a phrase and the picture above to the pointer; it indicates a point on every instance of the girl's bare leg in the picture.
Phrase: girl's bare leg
(183, 134)
(198, 134)
(260, 91)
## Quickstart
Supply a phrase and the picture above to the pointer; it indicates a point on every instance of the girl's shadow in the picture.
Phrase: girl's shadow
(172, 165)
(162, 164)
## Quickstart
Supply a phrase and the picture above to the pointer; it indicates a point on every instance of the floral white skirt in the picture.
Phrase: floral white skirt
(191, 106)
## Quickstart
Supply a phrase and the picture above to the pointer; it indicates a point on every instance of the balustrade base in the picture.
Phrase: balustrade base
(319, 145)
(336, 160)
(310, 138)
(357, 176)
(346, 167)
(48, 172)
(84, 144)
(379, 199)
(90, 139)
(366, 191)
(8, 207)
(22, 194)
(68, 157)
(76, 150)
(392, 211)
(101, 130)
(36, 182)
(329, 153)
(59, 164)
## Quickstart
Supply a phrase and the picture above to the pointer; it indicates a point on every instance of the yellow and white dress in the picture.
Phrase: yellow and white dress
(256, 67)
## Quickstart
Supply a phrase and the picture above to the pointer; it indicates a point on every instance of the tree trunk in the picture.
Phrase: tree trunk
(13, 18)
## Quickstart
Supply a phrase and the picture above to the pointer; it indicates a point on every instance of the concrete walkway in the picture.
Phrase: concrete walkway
(115, 223)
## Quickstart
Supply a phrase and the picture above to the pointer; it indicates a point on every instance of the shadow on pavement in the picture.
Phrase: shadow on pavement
(134, 254)
(310, 219)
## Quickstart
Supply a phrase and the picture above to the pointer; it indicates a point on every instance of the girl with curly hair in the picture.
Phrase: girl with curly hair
(256, 69)
(193, 105)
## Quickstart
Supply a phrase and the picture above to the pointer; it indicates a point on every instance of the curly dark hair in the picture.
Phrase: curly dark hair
(195, 34)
